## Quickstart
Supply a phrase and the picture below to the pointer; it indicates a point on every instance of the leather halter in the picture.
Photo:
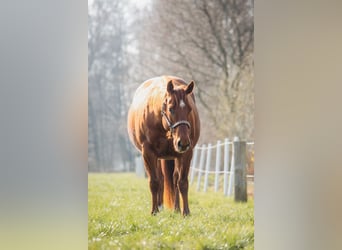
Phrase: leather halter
(175, 125)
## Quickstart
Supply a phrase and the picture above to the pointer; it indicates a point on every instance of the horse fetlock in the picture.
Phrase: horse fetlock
(154, 212)
(177, 209)
(186, 212)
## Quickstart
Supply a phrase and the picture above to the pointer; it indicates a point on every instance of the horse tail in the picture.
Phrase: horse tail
(168, 167)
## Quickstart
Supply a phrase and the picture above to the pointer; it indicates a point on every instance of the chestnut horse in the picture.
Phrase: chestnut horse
(163, 124)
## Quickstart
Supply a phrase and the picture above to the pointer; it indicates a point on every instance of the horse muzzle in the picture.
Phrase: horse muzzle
(182, 147)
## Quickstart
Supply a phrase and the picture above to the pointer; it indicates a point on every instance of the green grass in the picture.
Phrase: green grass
(119, 218)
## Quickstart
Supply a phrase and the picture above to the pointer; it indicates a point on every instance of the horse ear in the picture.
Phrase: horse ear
(170, 87)
(190, 87)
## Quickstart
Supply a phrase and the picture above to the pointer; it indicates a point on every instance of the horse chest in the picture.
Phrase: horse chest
(163, 148)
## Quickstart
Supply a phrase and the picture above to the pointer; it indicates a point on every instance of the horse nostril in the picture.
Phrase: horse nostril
(179, 144)
(182, 147)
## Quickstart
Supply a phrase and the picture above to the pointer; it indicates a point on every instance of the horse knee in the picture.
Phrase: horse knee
(183, 185)
(154, 185)
(161, 180)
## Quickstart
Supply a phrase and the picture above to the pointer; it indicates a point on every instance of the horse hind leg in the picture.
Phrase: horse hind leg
(168, 167)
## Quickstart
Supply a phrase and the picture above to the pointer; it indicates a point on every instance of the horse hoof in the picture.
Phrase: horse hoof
(154, 212)
(186, 213)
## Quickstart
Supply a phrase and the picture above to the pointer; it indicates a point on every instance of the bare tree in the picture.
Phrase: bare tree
(107, 70)
(210, 42)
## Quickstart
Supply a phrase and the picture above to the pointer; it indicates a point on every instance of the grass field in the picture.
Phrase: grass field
(119, 218)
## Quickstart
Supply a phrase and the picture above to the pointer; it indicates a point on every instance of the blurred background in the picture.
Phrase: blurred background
(210, 42)
(44, 111)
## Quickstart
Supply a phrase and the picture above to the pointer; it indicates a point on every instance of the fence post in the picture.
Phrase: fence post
(240, 182)
(217, 166)
(207, 168)
(225, 165)
(200, 168)
(193, 164)
(232, 169)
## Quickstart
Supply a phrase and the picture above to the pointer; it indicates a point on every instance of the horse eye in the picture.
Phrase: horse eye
(172, 111)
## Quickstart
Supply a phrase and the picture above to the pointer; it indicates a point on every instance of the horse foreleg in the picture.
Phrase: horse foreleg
(150, 163)
(154, 186)
(183, 188)
(175, 183)
(160, 177)
(183, 183)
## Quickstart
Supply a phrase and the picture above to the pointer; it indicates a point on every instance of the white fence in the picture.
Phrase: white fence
(208, 160)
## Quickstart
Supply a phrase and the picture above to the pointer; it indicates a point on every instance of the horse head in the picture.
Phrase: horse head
(176, 112)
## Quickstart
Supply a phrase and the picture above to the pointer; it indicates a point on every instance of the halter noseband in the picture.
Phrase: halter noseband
(169, 123)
